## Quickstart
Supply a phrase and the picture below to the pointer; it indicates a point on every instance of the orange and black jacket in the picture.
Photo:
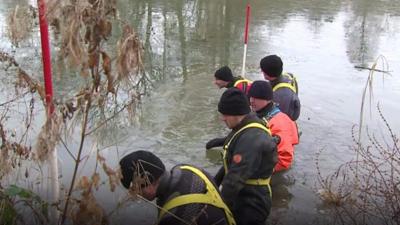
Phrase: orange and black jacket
(281, 125)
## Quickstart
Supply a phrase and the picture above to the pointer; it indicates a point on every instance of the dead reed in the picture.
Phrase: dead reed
(20, 23)
(117, 81)
(366, 190)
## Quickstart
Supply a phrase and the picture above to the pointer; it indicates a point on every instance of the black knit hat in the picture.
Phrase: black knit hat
(224, 73)
(272, 65)
(138, 165)
(261, 89)
(233, 102)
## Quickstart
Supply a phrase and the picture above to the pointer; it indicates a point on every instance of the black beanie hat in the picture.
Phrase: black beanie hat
(224, 73)
(261, 89)
(140, 163)
(272, 65)
(233, 102)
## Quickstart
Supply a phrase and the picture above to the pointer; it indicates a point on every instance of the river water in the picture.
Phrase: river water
(320, 41)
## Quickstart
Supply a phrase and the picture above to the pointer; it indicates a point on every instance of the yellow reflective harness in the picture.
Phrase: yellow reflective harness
(291, 85)
(260, 181)
(211, 197)
(245, 81)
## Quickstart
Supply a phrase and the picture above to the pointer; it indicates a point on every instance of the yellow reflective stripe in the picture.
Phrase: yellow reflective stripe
(225, 160)
(291, 86)
(284, 85)
(242, 81)
(255, 125)
(258, 181)
(261, 182)
(212, 197)
(287, 75)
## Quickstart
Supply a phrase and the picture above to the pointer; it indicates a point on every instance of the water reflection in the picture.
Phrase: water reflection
(361, 28)
(280, 184)
(184, 32)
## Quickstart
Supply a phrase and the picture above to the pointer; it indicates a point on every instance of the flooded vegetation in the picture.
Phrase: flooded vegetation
(136, 75)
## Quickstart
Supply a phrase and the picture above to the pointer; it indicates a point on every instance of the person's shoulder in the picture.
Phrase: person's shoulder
(192, 168)
(258, 129)
(282, 117)
(283, 94)
(282, 121)
(289, 76)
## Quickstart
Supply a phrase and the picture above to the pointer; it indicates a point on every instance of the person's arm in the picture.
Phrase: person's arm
(296, 107)
(285, 155)
(168, 219)
(246, 159)
(219, 176)
(216, 142)
(281, 125)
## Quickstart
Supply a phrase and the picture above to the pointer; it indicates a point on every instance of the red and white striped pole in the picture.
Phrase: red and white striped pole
(246, 36)
(46, 58)
(48, 84)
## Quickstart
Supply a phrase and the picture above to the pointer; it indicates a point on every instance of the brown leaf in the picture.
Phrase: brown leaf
(93, 59)
(106, 63)
(105, 28)
(88, 34)
(100, 158)
(84, 183)
(107, 72)
(96, 180)
(41, 91)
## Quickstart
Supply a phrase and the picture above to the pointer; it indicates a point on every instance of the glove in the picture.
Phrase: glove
(216, 142)
(276, 139)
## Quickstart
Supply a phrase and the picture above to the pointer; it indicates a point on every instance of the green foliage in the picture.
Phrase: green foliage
(8, 214)
(10, 200)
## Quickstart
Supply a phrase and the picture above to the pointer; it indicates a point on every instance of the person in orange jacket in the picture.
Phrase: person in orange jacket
(280, 124)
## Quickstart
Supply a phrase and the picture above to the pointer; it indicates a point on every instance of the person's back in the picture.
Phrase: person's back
(225, 79)
(284, 85)
(186, 194)
(184, 182)
(241, 83)
(282, 126)
(285, 94)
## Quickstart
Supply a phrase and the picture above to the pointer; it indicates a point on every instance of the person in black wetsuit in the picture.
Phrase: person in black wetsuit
(185, 194)
(249, 158)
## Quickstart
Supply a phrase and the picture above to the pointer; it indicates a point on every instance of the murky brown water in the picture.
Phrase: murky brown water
(321, 41)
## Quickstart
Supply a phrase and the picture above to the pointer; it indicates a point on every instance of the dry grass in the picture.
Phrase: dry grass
(114, 176)
(20, 23)
(129, 54)
(48, 137)
(86, 209)
(367, 189)
(84, 27)
(13, 147)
